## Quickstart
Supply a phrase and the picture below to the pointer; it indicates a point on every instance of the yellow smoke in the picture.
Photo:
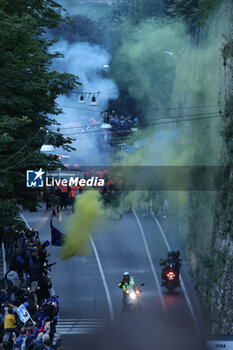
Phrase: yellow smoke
(87, 212)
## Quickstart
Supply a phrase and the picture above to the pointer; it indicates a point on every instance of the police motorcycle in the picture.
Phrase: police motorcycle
(131, 299)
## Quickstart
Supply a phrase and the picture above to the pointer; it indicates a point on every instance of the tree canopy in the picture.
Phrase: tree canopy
(28, 91)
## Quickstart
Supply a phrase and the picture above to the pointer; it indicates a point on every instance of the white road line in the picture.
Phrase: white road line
(181, 279)
(151, 262)
(68, 326)
(81, 320)
(23, 217)
(28, 226)
(79, 326)
(82, 323)
(101, 273)
(75, 332)
(104, 281)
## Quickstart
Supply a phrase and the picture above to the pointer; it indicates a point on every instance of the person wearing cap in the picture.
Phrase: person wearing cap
(13, 276)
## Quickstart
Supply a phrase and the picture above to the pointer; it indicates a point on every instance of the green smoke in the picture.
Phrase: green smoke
(87, 213)
(172, 77)
(179, 85)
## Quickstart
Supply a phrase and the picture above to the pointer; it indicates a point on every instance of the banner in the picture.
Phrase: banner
(23, 313)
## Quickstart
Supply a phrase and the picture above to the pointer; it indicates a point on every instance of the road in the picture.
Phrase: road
(134, 243)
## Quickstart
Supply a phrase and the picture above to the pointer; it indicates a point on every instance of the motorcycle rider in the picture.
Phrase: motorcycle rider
(173, 257)
(127, 281)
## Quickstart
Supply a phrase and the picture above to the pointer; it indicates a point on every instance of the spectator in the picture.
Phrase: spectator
(120, 124)
(44, 285)
(13, 276)
(10, 321)
(27, 283)
(2, 317)
(9, 240)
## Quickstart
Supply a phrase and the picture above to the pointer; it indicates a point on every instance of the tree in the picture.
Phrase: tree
(28, 92)
(137, 10)
(193, 12)
(81, 29)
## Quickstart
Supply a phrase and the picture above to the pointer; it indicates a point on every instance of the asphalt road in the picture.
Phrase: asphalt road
(134, 243)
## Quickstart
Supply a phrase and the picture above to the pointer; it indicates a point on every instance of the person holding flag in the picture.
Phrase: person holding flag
(57, 237)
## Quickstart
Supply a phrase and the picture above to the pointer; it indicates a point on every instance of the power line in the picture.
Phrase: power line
(187, 119)
(120, 139)
(156, 118)
(92, 93)
(149, 124)
(27, 143)
(146, 110)
(21, 161)
(174, 120)
(84, 109)
(187, 115)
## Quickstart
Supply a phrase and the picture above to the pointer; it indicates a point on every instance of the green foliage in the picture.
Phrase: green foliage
(227, 50)
(29, 88)
(82, 29)
(193, 12)
(136, 10)
(143, 72)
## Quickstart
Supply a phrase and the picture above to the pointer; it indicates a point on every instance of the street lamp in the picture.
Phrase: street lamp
(81, 100)
(93, 101)
(47, 149)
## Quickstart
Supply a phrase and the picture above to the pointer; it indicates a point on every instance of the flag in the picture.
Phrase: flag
(23, 313)
(57, 237)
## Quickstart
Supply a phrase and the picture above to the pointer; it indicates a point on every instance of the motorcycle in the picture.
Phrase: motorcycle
(171, 278)
(131, 300)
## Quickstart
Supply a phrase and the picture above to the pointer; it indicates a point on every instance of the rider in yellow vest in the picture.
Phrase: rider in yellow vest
(126, 282)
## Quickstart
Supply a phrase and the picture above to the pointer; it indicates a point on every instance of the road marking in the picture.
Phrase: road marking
(151, 262)
(23, 217)
(181, 279)
(79, 326)
(104, 280)
(27, 224)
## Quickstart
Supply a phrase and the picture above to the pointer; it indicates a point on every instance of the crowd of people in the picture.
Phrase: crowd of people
(120, 123)
(59, 197)
(27, 282)
(56, 199)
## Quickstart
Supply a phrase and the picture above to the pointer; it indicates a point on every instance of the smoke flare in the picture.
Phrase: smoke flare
(87, 213)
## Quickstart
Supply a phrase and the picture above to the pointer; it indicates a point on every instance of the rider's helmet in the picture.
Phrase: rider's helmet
(174, 254)
(126, 277)
(169, 253)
